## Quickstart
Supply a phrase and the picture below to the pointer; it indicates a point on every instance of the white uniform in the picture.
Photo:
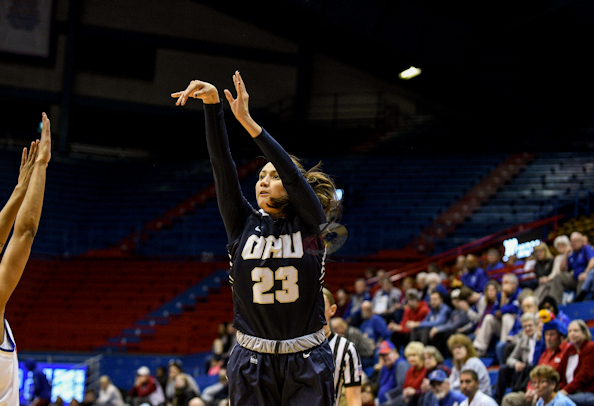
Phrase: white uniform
(9, 369)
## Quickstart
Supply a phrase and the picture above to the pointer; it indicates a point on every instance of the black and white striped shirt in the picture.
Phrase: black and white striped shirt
(347, 364)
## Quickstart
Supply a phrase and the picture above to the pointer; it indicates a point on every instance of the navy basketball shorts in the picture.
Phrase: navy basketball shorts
(298, 379)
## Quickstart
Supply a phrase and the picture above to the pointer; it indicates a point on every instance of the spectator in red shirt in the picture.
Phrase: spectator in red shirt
(415, 374)
(415, 310)
(146, 389)
(577, 377)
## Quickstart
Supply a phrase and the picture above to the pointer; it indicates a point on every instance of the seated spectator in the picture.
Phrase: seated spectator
(415, 374)
(183, 392)
(373, 326)
(469, 386)
(216, 392)
(442, 391)
(162, 376)
(439, 314)
(550, 304)
(109, 395)
(90, 398)
(406, 284)
(458, 269)
(458, 319)
(175, 369)
(146, 389)
(522, 359)
(434, 285)
(376, 282)
(368, 394)
(433, 360)
(41, 391)
(529, 304)
(502, 317)
(415, 310)
(545, 381)
(352, 314)
(579, 262)
(543, 267)
(464, 356)
(475, 277)
(554, 333)
(577, 380)
(514, 262)
(478, 305)
(421, 282)
(493, 261)
(389, 373)
(362, 344)
(561, 245)
(342, 301)
(386, 299)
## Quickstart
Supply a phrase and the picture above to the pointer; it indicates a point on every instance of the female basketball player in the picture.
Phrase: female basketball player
(24, 205)
(277, 270)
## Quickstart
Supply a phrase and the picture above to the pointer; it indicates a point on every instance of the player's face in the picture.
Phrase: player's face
(268, 187)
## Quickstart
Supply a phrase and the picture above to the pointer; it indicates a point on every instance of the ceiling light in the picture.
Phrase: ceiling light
(409, 73)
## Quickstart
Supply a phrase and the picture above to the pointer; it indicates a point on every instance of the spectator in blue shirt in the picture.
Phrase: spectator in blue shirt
(545, 381)
(579, 263)
(352, 314)
(373, 326)
(494, 260)
(475, 277)
(440, 386)
(389, 373)
(439, 314)
(503, 314)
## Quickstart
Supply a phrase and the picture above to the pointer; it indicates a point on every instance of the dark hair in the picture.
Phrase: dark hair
(323, 186)
(472, 373)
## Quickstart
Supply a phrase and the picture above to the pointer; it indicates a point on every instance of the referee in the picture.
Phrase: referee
(347, 365)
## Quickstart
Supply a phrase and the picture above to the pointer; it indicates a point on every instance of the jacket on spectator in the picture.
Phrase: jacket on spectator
(583, 375)
(417, 314)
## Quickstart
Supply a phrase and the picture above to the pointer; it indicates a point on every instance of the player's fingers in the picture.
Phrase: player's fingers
(240, 79)
(24, 156)
(229, 96)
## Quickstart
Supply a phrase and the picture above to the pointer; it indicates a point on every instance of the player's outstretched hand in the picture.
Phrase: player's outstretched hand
(240, 106)
(27, 161)
(197, 89)
(44, 148)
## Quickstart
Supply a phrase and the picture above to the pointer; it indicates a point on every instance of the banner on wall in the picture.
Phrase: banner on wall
(25, 27)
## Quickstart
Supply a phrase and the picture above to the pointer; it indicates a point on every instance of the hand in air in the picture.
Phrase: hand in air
(44, 147)
(197, 89)
(27, 161)
(240, 105)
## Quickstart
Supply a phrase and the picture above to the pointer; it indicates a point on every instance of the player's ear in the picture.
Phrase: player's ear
(333, 310)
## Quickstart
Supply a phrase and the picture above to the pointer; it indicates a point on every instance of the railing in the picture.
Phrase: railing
(475, 246)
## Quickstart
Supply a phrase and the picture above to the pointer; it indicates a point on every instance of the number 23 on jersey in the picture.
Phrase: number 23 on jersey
(265, 277)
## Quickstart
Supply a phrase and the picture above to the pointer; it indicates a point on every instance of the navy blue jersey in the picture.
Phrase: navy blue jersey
(277, 268)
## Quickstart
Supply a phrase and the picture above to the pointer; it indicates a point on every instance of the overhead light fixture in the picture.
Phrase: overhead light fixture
(409, 73)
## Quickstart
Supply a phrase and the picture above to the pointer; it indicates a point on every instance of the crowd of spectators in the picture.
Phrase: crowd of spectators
(482, 310)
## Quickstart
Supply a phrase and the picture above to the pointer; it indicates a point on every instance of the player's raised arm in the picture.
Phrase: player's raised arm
(26, 223)
(11, 208)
